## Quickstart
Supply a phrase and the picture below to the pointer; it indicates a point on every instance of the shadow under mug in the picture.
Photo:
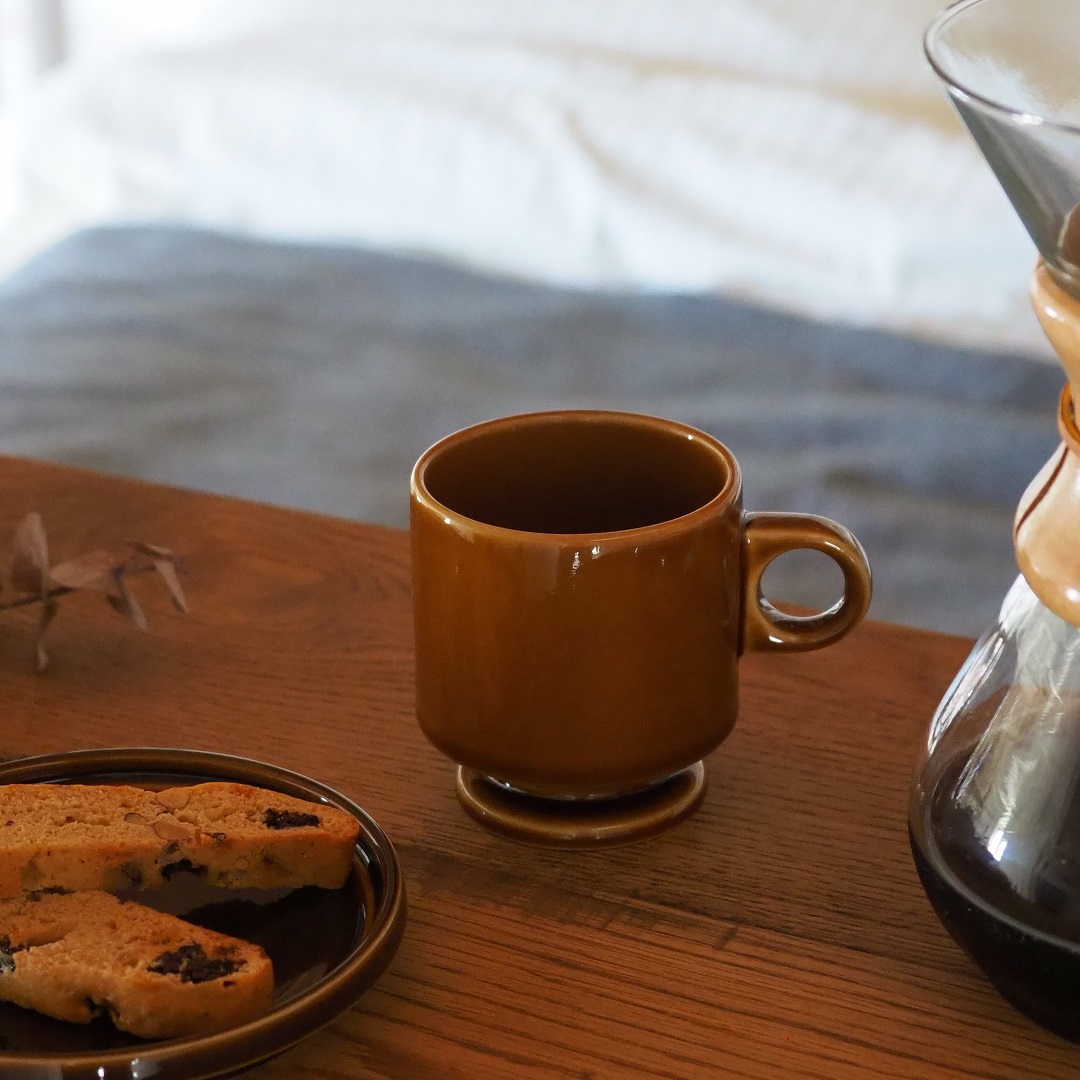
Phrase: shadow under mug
(584, 583)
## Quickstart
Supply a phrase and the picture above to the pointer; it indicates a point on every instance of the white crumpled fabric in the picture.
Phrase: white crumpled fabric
(797, 153)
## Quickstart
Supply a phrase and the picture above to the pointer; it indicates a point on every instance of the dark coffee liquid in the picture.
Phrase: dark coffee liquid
(1028, 946)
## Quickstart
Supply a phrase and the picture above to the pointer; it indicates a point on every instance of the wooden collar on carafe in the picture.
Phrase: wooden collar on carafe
(1046, 531)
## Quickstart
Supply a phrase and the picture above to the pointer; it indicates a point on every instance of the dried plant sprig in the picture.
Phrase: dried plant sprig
(33, 581)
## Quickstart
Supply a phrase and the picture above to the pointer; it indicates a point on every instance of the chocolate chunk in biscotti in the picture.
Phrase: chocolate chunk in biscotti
(191, 964)
(77, 956)
(289, 819)
(77, 837)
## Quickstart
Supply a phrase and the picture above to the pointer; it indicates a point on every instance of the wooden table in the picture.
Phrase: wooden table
(780, 932)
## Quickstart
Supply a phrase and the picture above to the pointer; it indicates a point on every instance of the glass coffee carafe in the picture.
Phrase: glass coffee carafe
(995, 808)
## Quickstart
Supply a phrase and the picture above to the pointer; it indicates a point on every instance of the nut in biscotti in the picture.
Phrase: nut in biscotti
(77, 956)
(73, 837)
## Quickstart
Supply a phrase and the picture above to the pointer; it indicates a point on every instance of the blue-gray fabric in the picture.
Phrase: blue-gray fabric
(314, 376)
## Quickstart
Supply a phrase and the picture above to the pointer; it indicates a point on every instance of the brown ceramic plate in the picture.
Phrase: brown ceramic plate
(327, 946)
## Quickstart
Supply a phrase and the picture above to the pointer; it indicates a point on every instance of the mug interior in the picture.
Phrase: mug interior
(583, 473)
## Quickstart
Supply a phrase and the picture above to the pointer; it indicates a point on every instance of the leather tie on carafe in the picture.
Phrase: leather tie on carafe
(1046, 530)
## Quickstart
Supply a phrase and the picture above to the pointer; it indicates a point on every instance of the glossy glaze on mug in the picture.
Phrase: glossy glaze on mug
(579, 591)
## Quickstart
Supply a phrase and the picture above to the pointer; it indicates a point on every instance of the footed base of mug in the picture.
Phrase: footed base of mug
(580, 823)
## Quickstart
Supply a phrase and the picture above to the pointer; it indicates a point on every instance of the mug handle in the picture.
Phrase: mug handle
(767, 535)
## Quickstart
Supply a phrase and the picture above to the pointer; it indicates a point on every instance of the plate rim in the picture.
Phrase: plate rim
(199, 1057)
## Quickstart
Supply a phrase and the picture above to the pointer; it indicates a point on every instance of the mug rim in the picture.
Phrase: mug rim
(718, 504)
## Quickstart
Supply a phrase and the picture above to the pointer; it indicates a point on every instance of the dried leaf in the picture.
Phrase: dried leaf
(152, 550)
(123, 600)
(94, 570)
(167, 569)
(30, 563)
(48, 612)
(34, 583)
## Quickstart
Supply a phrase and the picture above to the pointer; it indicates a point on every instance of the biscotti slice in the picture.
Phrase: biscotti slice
(76, 837)
(77, 956)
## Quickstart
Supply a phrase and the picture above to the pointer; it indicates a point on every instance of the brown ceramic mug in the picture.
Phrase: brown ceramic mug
(584, 584)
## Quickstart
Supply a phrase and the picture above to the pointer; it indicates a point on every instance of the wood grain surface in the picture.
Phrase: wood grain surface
(780, 932)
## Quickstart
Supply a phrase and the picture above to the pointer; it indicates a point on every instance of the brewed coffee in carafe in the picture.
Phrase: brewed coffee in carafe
(994, 815)
(995, 810)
